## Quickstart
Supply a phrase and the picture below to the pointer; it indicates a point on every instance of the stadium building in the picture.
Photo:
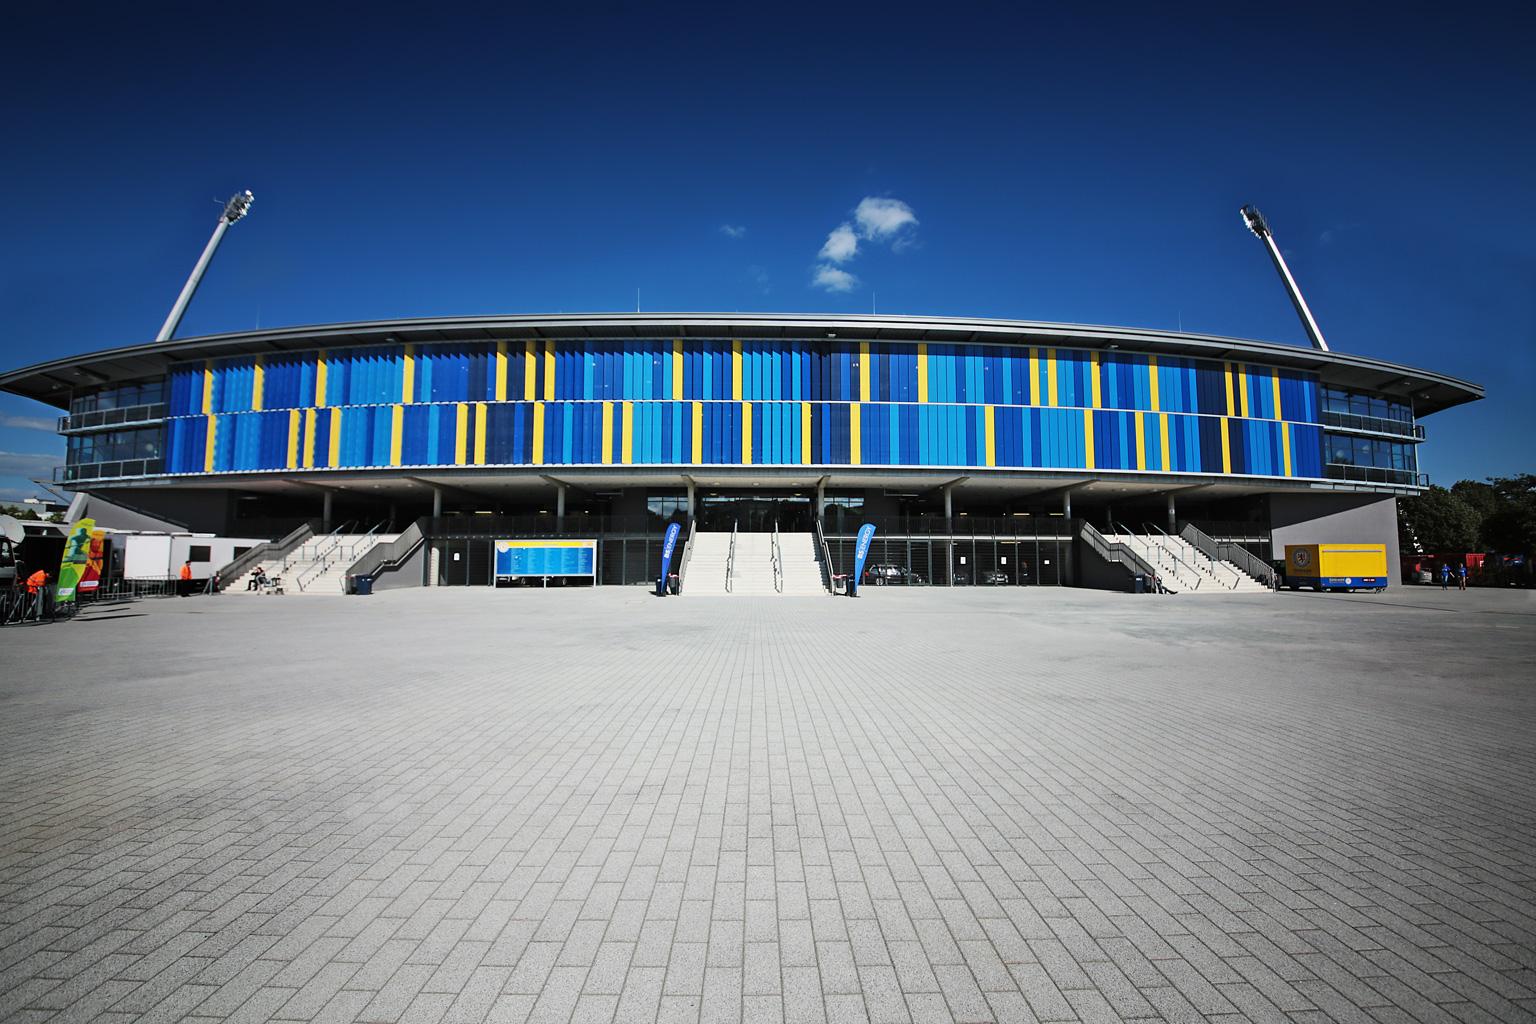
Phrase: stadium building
(985, 451)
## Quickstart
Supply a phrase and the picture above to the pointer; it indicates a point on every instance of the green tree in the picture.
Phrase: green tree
(19, 512)
(1442, 521)
(1511, 528)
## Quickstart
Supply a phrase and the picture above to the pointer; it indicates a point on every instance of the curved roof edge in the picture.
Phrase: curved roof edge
(51, 382)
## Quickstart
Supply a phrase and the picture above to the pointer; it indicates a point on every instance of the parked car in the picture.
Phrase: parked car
(995, 578)
(891, 575)
(962, 579)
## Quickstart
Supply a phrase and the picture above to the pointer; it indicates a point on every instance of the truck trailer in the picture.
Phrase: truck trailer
(1336, 566)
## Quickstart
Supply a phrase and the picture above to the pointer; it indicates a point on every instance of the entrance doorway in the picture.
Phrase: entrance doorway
(755, 513)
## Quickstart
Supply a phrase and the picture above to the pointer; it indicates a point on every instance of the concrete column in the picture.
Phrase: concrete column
(1172, 520)
(692, 493)
(437, 502)
(1066, 504)
(821, 498)
(559, 501)
(325, 513)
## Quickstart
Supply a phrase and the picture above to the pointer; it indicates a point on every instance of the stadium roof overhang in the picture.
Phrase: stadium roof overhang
(52, 382)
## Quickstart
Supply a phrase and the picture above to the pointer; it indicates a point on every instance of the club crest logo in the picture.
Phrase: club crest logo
(1301, 559)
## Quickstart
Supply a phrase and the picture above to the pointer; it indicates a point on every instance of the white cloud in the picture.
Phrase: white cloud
(29, 423)
(733, 230)
(833, 279)
(26, 464)
(841, 246)
(880, 218)
(759, 279)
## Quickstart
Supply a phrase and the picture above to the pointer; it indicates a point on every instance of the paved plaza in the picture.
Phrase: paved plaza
(985, 805)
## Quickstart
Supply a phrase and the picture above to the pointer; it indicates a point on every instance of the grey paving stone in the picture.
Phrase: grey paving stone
(923, 805)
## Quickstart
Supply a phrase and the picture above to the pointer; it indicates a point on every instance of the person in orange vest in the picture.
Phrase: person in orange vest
(186, 578)
(37, 585)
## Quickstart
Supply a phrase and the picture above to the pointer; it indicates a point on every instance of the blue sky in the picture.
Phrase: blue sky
(1083, 168)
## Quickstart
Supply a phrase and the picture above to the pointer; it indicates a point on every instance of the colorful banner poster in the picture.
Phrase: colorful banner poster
(77, 554)
(667, 547)
(518, 558)
(92, 578)
(860, 553)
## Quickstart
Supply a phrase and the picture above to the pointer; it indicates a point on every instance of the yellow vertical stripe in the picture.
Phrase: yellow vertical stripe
(698, 432)
(1274, 379)
(1093, 378)
(295, 431)
(922, 372)
(549, 371)
(1034, 376)
(991, 438)
(746, 433)
(805, 433)
(854, 441)
(258, 383)
(1226, 443)
(677, 368)
(1162, 431)
(1285, 446)
(627, 434)
(863, 371)
(1088, 437)
(396, 433)
(333, 457)
(309, 438)
(607, 433)
(210, 446)
(1141, 442)
(408, 375)
(208, 387)
(1242, 388)
(736, 370)
(460, 434)
(479, 433)
(538, 432)
(320, 379)
(501, 371)
(1050, 376)
(1152, 379)
(1231, 405)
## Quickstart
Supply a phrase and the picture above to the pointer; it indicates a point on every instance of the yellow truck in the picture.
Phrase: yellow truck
(1336, 566)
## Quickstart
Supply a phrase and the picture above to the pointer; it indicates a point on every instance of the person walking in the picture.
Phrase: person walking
(184, 588)
(1445, 576)
(1461, 575)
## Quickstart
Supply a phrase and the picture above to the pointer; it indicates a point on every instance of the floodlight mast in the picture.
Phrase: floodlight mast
(238, 206)
(1260, 227)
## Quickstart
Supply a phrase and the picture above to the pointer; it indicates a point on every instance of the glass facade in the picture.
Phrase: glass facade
(120, 396)
(1357, 403)
(1347, 450)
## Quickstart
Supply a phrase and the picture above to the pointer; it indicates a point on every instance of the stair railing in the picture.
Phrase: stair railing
(1210, 563)
(682, 563)
(1164, 555)
(390, 555)
(1116, 551)
(730, 558)
(826, 555)
(268, 551)
(1245, 560)
(776, 557)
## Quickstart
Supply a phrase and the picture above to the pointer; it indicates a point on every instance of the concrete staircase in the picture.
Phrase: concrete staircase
(1185, 569)
(319, 565)
(752, 569)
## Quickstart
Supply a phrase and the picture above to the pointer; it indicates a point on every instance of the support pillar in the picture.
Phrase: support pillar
(1066, 504)
(692, 492)
(325, 512)
(821, 498)
(949, 537)
(559, 502)
(1172, 528)
(437, 502)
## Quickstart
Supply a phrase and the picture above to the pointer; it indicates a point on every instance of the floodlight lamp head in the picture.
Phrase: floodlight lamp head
(1255, 221)
(238, 206)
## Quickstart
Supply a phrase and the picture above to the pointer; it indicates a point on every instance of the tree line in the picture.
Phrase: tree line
(1493, 515)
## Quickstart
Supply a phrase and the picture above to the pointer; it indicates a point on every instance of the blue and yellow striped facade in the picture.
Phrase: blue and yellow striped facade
(734, 403)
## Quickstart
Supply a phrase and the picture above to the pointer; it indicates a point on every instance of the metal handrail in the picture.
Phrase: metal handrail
(389, 555)
(272, 549)
(1245, 560)
(333, 537)
(1118, 528)
(826, 555)
(1115, 551)
(730, 558)
(1210, 568)
(682, 564)
(776, 558)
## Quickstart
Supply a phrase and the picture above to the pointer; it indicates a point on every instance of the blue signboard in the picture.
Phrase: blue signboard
(516, 558)
(668, 545)
(860, 553)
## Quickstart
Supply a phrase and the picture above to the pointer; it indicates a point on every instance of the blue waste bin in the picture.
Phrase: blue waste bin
(362, 584)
